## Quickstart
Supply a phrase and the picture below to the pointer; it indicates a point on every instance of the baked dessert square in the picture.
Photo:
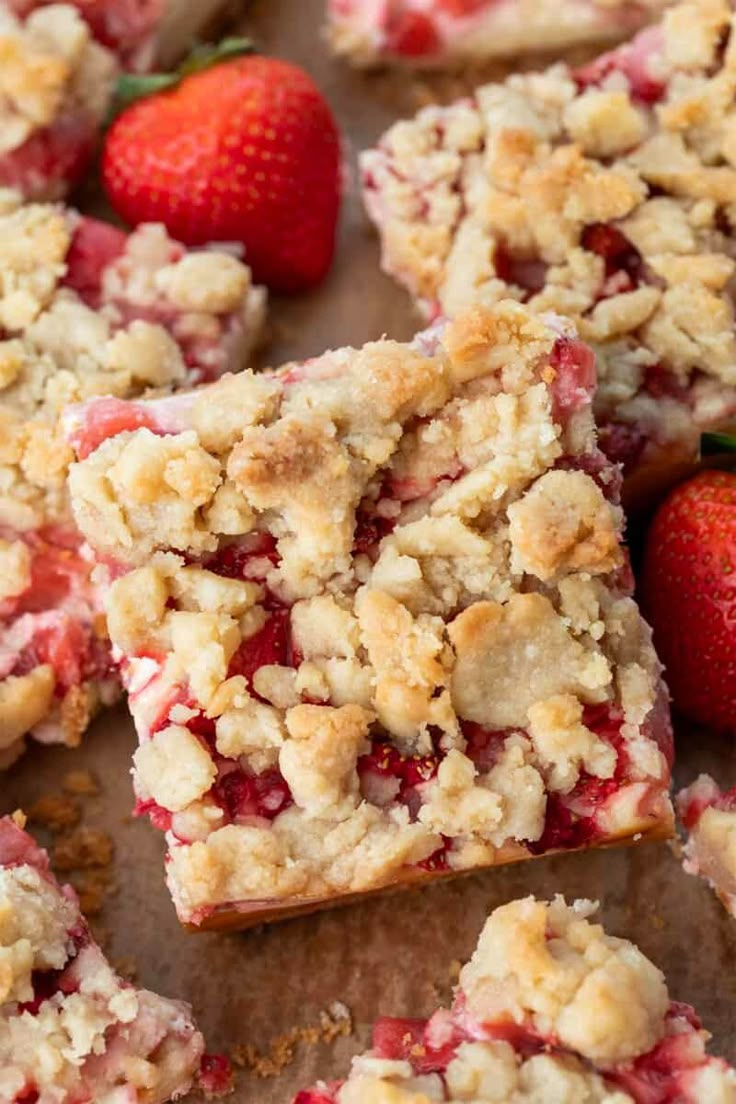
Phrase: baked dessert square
(549, 1008)
(56, 84)
(374, 618)
(709, 817)
(85, 310)
(142, 33)
(71, 1030)
(605, 193)
(455, 32)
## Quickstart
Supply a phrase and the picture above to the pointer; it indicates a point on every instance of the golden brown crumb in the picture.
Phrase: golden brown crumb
(93, 887)
(83, 849)
(81, 783)
(333, 1023)
(55, 812)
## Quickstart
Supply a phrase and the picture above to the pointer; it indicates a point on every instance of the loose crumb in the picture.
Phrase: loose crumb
(83, 849)
(54, 812)
(93, 887)
(81, 783)
(333, 1023)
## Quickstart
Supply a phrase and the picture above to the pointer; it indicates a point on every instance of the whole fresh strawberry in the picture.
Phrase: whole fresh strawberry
(689, 595)
(244, 150)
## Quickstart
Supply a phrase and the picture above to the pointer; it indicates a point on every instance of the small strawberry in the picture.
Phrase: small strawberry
(243, 150)
(688, 591)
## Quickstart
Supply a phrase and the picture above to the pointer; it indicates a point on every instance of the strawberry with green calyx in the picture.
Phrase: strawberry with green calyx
(233, 147)
(688, 589)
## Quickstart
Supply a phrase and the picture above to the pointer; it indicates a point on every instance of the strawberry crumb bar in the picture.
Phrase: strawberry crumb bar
(709, 816)
(549, 1009)
(141, 33)
(71, 1030)
(55, 87)
(85, 310)
(374, 618)
(452, 32)
(604, 193)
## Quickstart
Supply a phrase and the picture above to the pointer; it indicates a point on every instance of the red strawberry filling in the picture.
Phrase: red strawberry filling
(215, 1075)
(636, 61)
(243, 796)
(528, 273)
(121, 25)
(412, 34)
(571, 819)
(271, 645)
(106, 418)
(619, 255)
(386, 775)
(51, 159)
(94, 246)
(573, 363)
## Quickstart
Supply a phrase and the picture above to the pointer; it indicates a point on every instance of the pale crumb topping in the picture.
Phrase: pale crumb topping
(411, 566)
(368, 33)
(59, 351)
(710, 848)
(542, 188)
(92, 1032)
(49, 67)
(548, 965)
(549, 1010)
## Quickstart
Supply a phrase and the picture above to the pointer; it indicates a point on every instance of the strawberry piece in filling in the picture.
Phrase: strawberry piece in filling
(51, 159)
(636, 60)
(412, 34)
(575, 376)
(94, 246)
(106, 418)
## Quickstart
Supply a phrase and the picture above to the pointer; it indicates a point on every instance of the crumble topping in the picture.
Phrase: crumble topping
(709, 817)
(416, 647)
(69, 1027)
(549, 1008)
(88, 311)
(430, 33)
(49, 67)
(597, 994)
(604, 193)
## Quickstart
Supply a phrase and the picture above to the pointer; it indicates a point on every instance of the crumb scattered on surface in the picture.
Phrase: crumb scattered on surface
(455, 968)
(85, 848)
(93, 887)
(55, 812)
(333, 1023)
(81, 783)
(126, 968)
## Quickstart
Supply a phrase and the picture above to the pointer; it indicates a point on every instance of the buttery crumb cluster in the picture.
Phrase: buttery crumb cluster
(550, 1008)
(373, 616)
(85, 310)
(435, 32)
(55, 87)
(709, 818)
(606, 194)
(70, 1028)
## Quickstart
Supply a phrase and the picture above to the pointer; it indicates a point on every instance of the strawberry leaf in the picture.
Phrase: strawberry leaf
(132, 86)
(714, 444)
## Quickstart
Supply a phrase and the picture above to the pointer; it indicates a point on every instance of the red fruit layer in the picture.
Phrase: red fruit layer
(106, 418)
(243, 796)
(575, 376)
(93, 247)
(56, 156)
(633, 61)
(215, 1075)
(617, 252)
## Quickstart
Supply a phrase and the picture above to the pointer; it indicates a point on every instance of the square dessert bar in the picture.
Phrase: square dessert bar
(374, 618)
(141, 33)
(452, 32)
(709, 817)
(71, 1030)
(605, 193)
(85, 310)
(56, 84)
(549, 1009)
